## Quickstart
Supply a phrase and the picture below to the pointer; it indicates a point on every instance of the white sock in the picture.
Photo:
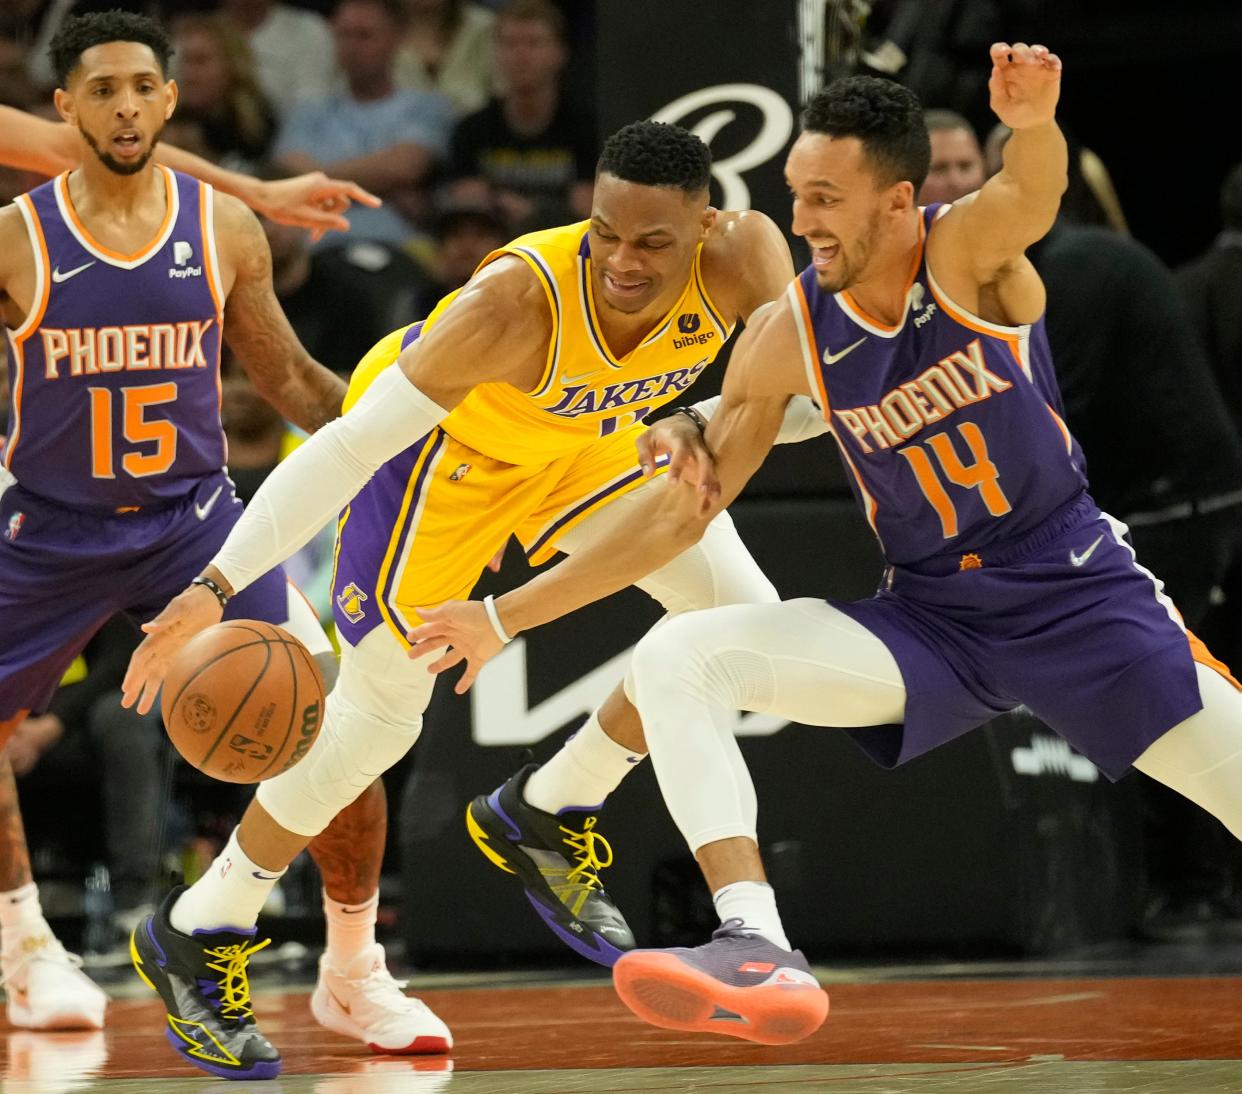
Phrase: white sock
(229, 894)
(21, 913)
(754, 903)
(351, 929)
(587, 769)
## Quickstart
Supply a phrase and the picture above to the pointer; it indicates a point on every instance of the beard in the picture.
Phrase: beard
(112, 163)
(853, 265)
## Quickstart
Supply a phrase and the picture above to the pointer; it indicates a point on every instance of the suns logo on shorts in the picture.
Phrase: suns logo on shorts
(350, 602)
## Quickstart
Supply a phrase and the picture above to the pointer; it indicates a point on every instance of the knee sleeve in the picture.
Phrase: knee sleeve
(374, 717)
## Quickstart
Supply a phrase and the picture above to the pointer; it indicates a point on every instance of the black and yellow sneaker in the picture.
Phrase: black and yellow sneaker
(202, 980)
(557, 857)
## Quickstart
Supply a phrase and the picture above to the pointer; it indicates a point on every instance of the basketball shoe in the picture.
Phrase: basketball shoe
(557, 857)
(202, 980)
(46, 987)
(738, 984)
(365, 1002)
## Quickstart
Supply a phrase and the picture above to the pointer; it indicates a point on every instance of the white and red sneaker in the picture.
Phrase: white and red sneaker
(365, 1002)
(46, 988)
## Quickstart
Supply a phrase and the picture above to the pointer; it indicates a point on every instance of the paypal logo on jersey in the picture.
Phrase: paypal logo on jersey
(182, 253)
(688, 324)
(921, 314)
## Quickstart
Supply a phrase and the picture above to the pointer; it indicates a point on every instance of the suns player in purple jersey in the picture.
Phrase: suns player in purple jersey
(920, 334)
(311, 201)
(117, 283)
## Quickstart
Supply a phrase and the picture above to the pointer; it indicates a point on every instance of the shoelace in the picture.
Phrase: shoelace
(589, 860)
(230, 962)
(51, 951)
(733, 928)
(381, 982)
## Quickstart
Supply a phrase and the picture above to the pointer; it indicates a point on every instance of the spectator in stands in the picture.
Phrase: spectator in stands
(219, 91)
(385, 138)
(292, 47)
(956, 164)
(465, 234)
(447, 47)
(376, 285)
(87, 726)
(530, 151)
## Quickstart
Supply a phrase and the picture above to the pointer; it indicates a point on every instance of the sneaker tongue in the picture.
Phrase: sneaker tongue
(225, 934)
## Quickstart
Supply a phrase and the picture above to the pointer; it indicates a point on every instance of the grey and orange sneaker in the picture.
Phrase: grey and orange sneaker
(202, 979)
(738, 984)
(557, 857)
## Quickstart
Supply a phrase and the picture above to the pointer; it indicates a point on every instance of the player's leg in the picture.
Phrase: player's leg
(1202, 757)
(541, 823)
(803, 660)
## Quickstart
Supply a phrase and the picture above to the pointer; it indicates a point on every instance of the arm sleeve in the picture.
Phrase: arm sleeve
(309, 488)
(803, 418)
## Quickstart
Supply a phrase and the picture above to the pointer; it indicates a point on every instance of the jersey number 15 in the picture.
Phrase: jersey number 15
(135, 428)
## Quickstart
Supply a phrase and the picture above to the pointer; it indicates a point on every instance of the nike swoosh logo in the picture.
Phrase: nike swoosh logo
(567, 380)
(265, 877)
(831, 358)
(201, 511)
(1079, 560)
(337, 1000)
(58, 277)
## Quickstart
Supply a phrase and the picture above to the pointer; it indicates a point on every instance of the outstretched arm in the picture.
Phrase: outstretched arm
(312, 201)
(765, 370)
(980, 242)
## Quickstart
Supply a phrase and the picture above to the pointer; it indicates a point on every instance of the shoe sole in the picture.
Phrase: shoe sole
(264, 1069)
(330, 1018)
(21, 1018)
(663, 990)
(589, 943)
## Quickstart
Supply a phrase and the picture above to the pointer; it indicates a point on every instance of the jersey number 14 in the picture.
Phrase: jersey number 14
(980, 475)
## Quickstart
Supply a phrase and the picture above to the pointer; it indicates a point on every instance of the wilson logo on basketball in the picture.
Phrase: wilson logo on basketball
(310, 728)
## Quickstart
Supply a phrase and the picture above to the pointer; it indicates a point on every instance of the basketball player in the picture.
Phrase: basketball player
(511, 410)
(311, 201)
(115, 282)
(920, 333)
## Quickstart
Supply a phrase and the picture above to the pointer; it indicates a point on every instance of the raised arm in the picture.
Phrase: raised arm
(766, 369)
(30, 143)
(504, 305)
(977, 249)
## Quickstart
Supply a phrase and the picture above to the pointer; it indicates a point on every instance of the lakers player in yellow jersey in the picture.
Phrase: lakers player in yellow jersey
(511, 410)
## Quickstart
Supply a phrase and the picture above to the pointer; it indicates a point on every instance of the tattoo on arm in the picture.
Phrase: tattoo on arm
(350, 851)
(259, 333)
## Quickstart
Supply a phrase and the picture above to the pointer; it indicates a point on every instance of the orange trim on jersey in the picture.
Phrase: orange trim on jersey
(40, 306)
(808, 333)
(1200, 653)
(148, 248)
(208, 238)
(31, 323)
(958, 316)
(853, 305)
(872, 507)
(1069, 441)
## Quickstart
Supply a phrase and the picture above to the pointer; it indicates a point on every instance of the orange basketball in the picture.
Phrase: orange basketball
(243, 701)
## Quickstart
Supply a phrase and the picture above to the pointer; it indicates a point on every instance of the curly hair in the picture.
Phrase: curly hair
(78, 33)
(655, 154)
(886, 117)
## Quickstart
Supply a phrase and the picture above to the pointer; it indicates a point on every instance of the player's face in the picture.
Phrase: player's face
(119, 101)
(839, 206)
(956, 166)
(642, 241)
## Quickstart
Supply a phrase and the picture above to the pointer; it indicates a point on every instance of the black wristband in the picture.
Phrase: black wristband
(695, 416)
(213, 588)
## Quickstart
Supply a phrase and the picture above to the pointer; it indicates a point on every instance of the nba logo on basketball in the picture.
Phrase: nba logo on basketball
(15, 525)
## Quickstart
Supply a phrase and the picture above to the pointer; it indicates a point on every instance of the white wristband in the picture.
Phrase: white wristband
(489, 606)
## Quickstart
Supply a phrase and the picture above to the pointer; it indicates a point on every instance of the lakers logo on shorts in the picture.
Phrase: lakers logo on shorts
(350, 602)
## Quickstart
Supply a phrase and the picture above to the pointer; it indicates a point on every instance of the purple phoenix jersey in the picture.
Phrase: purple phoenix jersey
(115, 374)
(951, 426)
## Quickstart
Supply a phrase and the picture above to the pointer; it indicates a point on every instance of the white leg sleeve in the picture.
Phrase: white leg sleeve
(801, 659)
(374, 715)
(1202, 757)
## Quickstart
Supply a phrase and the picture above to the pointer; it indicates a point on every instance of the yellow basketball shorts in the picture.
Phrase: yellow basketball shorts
(423, 529)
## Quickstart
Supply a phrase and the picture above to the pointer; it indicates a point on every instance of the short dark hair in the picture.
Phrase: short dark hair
(78, 33)
(656, 154)
(1231, 199)
(886, 117)
(534, 11)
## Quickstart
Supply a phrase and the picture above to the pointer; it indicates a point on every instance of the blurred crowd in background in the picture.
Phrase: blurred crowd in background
(474, 122)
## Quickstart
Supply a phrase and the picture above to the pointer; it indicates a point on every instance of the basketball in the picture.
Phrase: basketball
(243, 701)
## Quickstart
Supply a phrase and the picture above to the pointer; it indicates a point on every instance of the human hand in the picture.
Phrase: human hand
(312, 200)
(1025, 84)
(463, 626)
(679, 439)
(193, 610)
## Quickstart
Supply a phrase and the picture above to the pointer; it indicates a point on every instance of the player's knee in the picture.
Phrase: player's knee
(666, 652)
(353, 749)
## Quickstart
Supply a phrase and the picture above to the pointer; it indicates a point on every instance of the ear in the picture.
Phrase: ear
(709, 221)
(171, 94)
(901, 198)
(65, 106)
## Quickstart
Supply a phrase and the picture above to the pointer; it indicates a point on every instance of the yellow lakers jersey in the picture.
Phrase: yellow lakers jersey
(585, 392)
